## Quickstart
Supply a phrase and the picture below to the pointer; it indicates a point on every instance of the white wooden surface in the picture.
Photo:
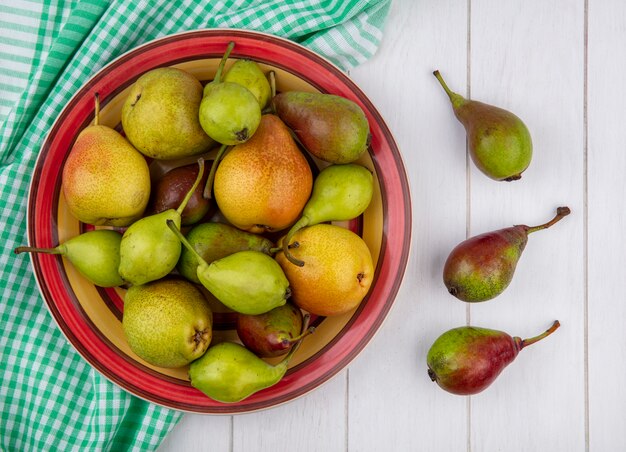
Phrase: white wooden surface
(560, 65)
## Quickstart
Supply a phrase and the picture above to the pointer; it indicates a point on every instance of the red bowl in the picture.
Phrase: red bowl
(90, 317)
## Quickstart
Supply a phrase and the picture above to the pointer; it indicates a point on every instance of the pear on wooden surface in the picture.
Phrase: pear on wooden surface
(330, 127)
(499, 142)
(213, 241)
(149, 250)
(95, 254)
(481, 267)
(105, 180)
(160, 114)
(263, 184)
(229, 113)
(168, 322)
(340, 192)
(466, 360)
(338, 270)
(228, 372)
(249, 282)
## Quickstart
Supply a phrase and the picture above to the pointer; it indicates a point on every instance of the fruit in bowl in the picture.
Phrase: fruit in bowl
(91, 316)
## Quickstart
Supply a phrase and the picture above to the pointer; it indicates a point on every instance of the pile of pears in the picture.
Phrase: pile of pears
(467, 359)
(243, 215)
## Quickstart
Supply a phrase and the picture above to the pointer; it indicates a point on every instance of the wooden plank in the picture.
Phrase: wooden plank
(393, 405)
(527, 57)
(606, 243)
(316, 421)
(200, 432)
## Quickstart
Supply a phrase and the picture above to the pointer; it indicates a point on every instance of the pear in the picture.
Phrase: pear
(262, 185)
(466, 360)
(213, 241)
(330, 127)
(273, 333)
(95, 254)
(168, 323)
(247, 73)
(149, 250)
(338, 272)
(481, 267)
(160, 114)
(105, 180)
(249, 282)
(228, 372)
(229, 113)
(499, 142)
(170, 189)
(340, 193)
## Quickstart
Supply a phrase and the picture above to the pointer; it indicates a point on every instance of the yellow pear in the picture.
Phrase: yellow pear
(263, 184)
(105, 180)
(337, 271)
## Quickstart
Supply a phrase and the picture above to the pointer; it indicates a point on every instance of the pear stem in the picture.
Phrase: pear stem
(532, 340)
(96, 109)
(189, 194)
(560, 213)
(272, 76)
(301, 223)
(220, 69)
(32, 249)
(448, 91)
(308, 331)
(183, 240)
(208, 188)
(305, 328)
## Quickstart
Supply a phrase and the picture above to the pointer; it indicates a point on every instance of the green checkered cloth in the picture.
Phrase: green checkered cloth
(50, 398)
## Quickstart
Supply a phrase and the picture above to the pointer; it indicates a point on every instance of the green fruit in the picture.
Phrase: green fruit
(481, 267)
(160, 114)
(229, 113)
(213, 241)
(330, 127)
(168, 323)
(228, 372)
(499, 142)
(249, 282)
(248, 74)
(340, 192)
(149, 250)
(95, 254)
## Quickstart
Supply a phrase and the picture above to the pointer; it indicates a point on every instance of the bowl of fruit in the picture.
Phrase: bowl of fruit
(219, 221)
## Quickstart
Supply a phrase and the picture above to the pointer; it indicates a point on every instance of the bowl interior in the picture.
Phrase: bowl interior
(91, 316)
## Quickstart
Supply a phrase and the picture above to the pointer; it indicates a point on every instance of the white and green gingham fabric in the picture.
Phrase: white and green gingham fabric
(50, 398)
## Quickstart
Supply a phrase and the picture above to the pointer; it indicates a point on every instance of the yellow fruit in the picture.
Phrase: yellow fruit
(263, 184)
(105, 180)
(337, 272)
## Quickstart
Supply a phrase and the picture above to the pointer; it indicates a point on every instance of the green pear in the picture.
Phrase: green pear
(340, 192)
(160, 114)
(213, 241)
(149, 250)
(105, 180)
(95, 254)
(332, 128)
(228, 372)
(168, 323)
(229, 113)
(499, 142)
(247, 73)
(248, 282)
